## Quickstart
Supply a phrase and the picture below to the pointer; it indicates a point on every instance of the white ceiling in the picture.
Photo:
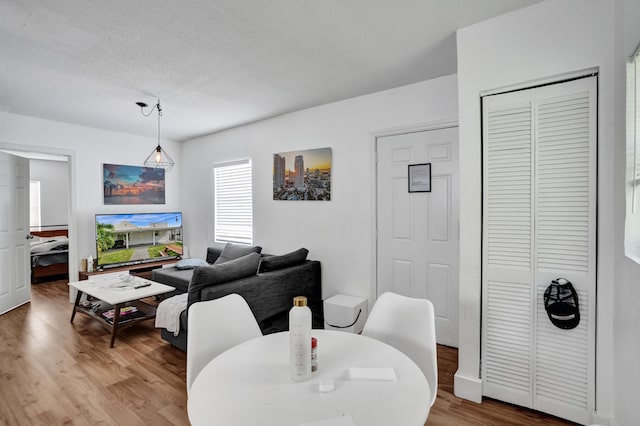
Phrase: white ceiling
(217, 64)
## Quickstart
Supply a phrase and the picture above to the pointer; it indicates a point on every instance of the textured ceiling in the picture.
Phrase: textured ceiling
(217, 64)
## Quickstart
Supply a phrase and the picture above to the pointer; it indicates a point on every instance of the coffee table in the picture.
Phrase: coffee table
(116, 291)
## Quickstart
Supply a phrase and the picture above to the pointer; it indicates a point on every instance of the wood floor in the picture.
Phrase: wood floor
(53, 372)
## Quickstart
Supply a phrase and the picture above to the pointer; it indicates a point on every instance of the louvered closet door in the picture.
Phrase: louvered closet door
(539, 217)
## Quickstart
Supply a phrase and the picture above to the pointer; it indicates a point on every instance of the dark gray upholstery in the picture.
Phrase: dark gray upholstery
(272, 263)
(178, 278)
(234, 251)
(206, 276)
(269, 294)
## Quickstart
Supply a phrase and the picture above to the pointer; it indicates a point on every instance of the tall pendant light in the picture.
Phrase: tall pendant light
(158, 159)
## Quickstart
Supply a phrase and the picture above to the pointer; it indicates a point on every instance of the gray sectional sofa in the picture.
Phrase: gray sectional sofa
(268, 283)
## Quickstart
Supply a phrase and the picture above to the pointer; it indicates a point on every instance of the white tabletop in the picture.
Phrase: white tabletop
(249, 385)
(114, 288)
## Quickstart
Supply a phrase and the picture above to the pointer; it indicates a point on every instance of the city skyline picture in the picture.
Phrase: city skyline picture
(302, 175)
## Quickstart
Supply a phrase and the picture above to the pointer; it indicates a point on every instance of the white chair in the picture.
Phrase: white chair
(407, 324)
(215, 326)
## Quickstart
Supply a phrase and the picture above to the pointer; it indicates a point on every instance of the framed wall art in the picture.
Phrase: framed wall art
(420, 177)
(302, 175)
(132, 184)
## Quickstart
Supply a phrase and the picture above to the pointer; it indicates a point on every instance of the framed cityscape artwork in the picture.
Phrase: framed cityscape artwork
(132, 184)
(302, 175)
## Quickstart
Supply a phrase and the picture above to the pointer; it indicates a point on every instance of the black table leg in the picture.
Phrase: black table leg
(116, 320)
(75, 305)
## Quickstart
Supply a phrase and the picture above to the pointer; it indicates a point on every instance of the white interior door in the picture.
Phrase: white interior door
(539, 224)
(418, 235)
(15, 281)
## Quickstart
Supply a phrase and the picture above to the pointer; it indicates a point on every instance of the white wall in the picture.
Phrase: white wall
(340, 232)
(54, 190)
(545, 40)
(88, 149)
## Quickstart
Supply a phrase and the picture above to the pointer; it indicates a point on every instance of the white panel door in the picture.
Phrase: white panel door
(15, 280)
(418, 236)
(539, 224)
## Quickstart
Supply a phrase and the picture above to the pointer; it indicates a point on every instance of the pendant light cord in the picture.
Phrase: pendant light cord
(159, 114)
(155, 107)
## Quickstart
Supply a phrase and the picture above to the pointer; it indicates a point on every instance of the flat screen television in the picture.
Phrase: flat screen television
(132, 238)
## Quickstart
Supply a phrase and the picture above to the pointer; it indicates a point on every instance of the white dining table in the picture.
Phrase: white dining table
(249, 384)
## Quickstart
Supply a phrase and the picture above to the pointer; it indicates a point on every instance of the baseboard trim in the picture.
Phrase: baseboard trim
(597, 419)
(466, 387)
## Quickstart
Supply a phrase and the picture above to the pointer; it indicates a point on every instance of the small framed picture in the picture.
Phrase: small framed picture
(420, 177)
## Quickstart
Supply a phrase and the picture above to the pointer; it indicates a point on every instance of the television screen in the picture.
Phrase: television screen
(127, 239)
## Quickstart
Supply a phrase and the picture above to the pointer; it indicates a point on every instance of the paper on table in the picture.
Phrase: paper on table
(336, 421)
(383, 374)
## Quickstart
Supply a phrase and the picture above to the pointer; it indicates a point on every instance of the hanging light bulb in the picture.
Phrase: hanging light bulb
(158, 159)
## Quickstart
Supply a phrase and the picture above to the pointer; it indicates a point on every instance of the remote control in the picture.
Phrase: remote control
(141, 285)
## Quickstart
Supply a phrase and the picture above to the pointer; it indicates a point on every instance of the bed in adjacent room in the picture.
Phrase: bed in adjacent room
(49, 254)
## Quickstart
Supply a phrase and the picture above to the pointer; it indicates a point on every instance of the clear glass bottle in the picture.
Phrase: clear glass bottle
(299, 340)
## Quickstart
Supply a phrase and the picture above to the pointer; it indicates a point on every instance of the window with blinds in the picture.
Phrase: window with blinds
(233, 203)
(35, 216)
(632, 222)
(634, 83)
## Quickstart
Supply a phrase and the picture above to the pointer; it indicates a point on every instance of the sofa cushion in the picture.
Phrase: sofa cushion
(272, 263)
(213, 252)
(178, 278)
(205, 276)
(191, 263)
(234, 251)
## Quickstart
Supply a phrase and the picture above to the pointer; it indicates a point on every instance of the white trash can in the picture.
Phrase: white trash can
(345, 313)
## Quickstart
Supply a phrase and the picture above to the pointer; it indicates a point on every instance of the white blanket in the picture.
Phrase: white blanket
(40, 244)
(168, 313)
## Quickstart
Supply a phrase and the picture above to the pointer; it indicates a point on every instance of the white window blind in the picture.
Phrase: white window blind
(34, 204)
(636, 124)
(233, 203)
(632, 187)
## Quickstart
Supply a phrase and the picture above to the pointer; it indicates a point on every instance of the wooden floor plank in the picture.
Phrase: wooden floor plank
(55, 372)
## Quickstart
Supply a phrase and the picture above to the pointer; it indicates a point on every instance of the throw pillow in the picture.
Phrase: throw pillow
(205, 276)
(272, 263)
(234, 251)
(191, 263)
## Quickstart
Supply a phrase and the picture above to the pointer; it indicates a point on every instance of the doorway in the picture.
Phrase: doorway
(49, 213)
(68, 158)
(418, 232)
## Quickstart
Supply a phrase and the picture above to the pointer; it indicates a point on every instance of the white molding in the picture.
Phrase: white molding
(420, 127)
(597, 420)
(469, 388)
(541, 81)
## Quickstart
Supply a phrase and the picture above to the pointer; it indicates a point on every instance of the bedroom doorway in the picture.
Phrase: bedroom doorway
(49, 215)
(64, 210)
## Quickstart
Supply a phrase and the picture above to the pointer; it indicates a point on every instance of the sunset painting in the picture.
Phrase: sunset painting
(133, 185)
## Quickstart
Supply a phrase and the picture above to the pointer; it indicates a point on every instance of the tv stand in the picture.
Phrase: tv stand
(140, 269)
